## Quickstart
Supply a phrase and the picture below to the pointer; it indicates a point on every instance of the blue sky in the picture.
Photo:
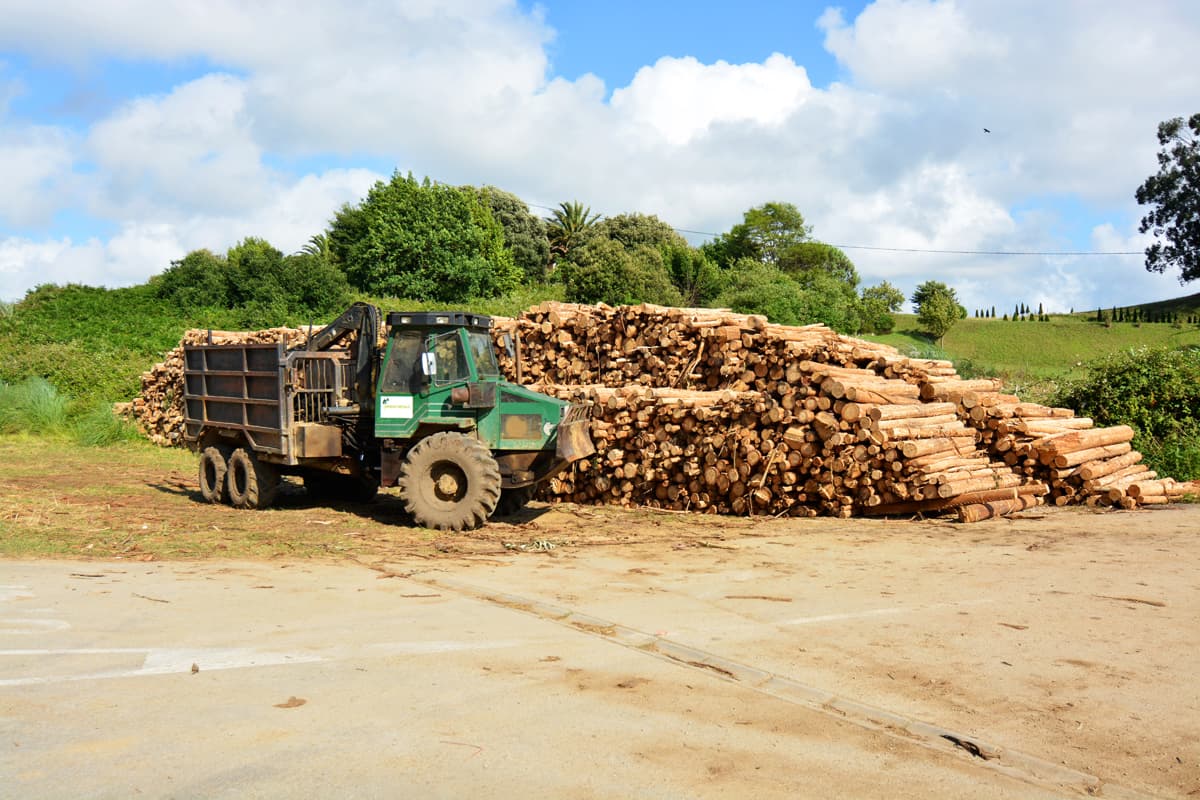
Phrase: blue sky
(133, 133)
(616, 39)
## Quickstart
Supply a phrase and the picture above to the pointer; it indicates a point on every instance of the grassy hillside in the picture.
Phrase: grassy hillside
(92, 344)
(1031, 356)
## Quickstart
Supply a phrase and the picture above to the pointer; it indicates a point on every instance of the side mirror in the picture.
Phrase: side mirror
(428, 364)
(509, 347)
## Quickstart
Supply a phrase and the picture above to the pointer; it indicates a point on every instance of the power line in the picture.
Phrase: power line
(930, 250)
(995, 252)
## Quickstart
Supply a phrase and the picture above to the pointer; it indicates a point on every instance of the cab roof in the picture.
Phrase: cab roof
(438, 319)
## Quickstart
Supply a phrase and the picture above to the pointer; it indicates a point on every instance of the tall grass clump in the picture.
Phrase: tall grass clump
(1156, 391)
(32, 406)
(98, 426)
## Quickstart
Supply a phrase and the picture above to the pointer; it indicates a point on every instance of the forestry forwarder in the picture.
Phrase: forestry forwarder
(428, 413)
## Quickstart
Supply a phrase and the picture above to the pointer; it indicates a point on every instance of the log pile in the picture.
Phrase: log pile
(905, 435)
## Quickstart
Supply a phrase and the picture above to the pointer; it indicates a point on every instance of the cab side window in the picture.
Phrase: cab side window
(451, 360)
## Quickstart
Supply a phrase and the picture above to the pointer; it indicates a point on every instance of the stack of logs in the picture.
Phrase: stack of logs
(711, 411)
(708, 410)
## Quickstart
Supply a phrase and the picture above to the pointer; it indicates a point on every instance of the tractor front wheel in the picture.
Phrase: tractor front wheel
(449, 481)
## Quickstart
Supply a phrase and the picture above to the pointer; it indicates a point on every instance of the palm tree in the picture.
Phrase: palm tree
(567, 225)
(317, 245)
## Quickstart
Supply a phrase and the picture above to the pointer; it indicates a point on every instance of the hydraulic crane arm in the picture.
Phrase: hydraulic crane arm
(363, 319)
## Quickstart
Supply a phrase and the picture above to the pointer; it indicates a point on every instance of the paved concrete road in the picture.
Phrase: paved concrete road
(325, 681)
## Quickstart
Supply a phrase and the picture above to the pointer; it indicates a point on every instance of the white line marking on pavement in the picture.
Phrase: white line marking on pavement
(169, 660)
(34, 625)
(14, 593)
(877, 612)
(419, 648)
(162, 661)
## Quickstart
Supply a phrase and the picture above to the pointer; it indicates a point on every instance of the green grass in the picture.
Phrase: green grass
(1034, 356)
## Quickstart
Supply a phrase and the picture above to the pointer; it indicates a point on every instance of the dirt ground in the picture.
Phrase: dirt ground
(1063, 638)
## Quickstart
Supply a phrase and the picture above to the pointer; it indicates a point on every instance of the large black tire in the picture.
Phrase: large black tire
(250, 483)
(513, 500)
(212, 475)
(450, 482)
(329, 486)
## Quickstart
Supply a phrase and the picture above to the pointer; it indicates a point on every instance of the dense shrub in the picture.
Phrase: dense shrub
(757, 288)
(601, 270)
(1154, 390)
(810, 296)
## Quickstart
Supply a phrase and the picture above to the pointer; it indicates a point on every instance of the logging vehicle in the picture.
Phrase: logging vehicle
(422, 409)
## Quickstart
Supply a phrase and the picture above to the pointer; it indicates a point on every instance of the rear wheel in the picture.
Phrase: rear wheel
(251, 483)
(212, 475)
(449, 481)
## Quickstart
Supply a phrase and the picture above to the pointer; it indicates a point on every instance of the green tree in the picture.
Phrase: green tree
(765, 233)
(568, 224)
(937, 308)
(198, 280)
(346, 238)
(635, 230)
(805, 256)
(316, 288)
(697, 278)
(878, 304)
(1173, 193)
(524, 233)
(318, 246)
(930, 288)
(424, 241)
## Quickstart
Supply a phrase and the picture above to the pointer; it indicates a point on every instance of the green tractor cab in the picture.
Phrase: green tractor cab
(429, 414)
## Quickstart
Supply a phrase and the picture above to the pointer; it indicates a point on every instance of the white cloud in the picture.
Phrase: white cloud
(190, 151)
(679, 98)
(35, 162)
(901, 44)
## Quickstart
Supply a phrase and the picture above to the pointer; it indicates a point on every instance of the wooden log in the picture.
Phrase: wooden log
(1084, 440)
(1094, 454)
(1098, 469)
(999, 508)
(923, 447)
(939, 504)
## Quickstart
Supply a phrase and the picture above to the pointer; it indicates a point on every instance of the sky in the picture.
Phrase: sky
(135, 131)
